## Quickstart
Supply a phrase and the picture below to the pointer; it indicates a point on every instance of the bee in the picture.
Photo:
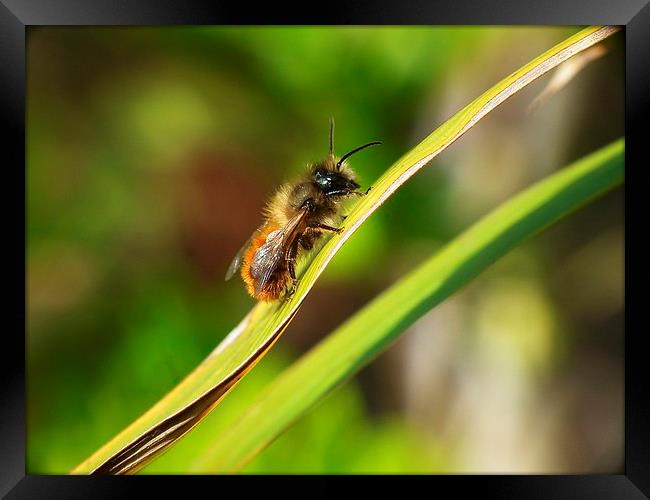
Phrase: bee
(295, 218)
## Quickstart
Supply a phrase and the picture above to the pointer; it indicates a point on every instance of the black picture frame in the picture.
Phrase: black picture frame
(17, 16)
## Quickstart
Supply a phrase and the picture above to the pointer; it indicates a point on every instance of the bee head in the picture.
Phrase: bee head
(332, 176)
(334, 182)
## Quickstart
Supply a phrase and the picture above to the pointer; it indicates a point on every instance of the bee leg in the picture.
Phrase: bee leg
(291, 258)
(292, 270)
(291, 289)
(325, 227)
(359, 193)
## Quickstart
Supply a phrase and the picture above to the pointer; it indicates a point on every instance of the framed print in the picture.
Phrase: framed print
(383, 243)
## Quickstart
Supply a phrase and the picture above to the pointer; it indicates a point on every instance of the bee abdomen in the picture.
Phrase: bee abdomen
(252, 273)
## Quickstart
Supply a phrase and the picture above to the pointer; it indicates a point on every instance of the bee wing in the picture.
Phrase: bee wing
(236, 262)
(274, 251)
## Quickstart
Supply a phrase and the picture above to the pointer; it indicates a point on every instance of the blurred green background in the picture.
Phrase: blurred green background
(150, 153)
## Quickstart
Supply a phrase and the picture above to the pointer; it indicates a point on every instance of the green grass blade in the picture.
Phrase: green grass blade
(360, 338)
(182, 408)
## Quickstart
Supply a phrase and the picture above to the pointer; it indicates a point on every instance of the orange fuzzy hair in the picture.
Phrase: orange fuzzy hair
(277, 286)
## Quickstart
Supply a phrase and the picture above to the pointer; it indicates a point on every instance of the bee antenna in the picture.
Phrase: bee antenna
(347, 155)
(331, 136)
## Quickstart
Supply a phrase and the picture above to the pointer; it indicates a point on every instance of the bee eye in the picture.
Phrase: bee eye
(322, 178)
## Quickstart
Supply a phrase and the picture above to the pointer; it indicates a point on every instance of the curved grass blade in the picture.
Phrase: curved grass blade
(183, 407)
(364, 335)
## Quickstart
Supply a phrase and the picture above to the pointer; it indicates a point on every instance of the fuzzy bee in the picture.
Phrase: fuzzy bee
(297, 215)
